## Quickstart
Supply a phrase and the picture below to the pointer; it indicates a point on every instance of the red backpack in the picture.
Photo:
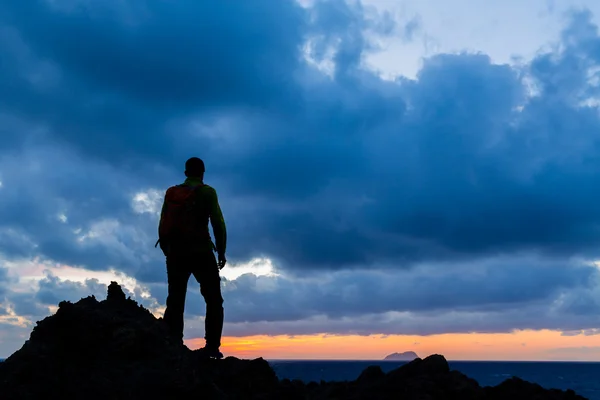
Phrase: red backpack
(180, 222)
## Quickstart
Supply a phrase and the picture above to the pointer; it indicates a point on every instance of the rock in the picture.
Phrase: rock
(371, 374)
(518, 389)
(432, 365)
(435, 364)
(116, 349)
(115, 293)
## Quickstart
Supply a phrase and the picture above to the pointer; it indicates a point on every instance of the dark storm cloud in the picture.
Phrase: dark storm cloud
(124, 89)
(125, 69)
(313, 171)
(469, 165)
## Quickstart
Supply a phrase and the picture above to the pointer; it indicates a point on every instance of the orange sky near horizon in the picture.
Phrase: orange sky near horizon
(519, 346)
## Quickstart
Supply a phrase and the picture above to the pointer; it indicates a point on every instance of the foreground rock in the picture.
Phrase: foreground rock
(116, 349)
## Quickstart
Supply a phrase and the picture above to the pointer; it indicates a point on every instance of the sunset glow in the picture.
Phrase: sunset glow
(520, 346)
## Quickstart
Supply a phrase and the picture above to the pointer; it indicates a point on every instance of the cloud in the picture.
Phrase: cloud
(52, 290)
(392, 323)
(459, 163)
(135, 77)
(4, 286)
(81, 213)
(496, 296)
(11, 338)
(413, 27)
(463, 199)
(127, 121)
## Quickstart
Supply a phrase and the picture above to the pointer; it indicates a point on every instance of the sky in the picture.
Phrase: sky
(394, 175)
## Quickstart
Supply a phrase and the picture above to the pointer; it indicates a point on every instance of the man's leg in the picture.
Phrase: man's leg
(178, 275)
(208, 277)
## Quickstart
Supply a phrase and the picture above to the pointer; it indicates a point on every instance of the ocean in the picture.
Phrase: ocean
(582, 377)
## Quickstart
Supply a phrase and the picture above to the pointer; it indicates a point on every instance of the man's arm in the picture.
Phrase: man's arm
(218, 223)
(162, 211)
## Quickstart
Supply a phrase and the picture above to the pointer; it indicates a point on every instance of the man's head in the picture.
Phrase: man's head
(194, 168)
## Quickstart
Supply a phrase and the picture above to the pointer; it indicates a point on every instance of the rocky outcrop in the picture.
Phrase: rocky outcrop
(406, 356)
(116, 349)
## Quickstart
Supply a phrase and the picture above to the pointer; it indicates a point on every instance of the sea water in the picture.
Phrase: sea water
(582, 377)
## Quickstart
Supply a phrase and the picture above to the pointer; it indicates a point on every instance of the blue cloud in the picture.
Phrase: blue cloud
(485, 287)
(319, 169)
(52, 291)
(342, 172)
(125, 69)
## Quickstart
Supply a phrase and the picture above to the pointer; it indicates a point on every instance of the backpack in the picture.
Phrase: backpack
(180, 223)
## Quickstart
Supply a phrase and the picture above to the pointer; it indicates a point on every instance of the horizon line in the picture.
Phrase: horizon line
(407, 361)
(2, 359)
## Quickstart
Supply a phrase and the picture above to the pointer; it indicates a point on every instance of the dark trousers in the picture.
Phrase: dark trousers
(204, 268)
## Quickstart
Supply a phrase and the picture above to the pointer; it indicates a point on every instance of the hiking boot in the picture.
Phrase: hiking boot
(209, 352)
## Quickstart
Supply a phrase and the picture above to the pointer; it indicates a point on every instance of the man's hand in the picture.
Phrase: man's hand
(165, 248)
(222, 261)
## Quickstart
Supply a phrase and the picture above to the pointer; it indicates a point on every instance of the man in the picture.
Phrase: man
(185, 241)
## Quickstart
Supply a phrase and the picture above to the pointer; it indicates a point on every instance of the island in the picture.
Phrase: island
(406, 356)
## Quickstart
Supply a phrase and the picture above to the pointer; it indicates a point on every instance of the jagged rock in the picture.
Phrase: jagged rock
(371, 374)
(116, 349)
(115, 293)
(516, 388)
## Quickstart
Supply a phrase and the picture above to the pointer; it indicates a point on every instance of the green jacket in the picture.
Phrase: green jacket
(208, 196)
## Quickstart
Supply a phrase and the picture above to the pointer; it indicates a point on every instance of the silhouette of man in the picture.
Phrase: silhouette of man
(186, 243)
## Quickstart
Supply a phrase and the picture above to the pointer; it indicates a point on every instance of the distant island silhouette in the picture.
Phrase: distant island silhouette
(406, 356)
